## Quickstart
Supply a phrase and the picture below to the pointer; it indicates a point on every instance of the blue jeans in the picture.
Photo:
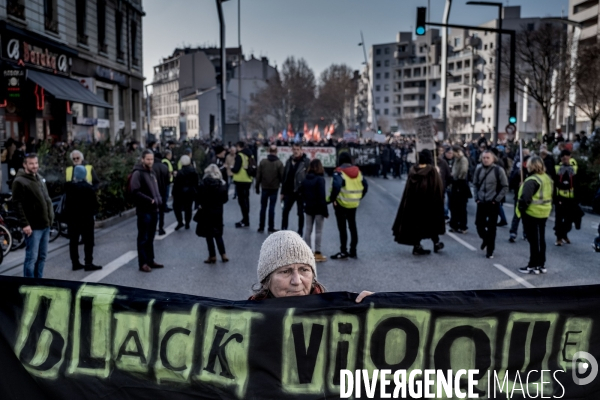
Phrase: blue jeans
(35, 253)
(270, 196)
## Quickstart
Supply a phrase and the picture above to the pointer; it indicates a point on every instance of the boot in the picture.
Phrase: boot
(224, 257)
(438, 246)
(420, 251)
(210, 260)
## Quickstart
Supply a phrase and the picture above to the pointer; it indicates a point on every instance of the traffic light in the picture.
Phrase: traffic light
(512, 113)
(379, 130)
(421, 16)
(211, 124)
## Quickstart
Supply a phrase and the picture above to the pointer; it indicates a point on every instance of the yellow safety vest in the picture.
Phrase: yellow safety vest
(541, 206)
(351, 192)
(169, 165)
(569, 194)
(88, 175)
(242, 174)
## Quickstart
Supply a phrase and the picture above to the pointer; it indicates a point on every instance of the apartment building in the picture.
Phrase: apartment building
(72, 69)
(587, 13)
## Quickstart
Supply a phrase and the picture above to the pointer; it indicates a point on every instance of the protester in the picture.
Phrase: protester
(421, 212)
(286, 268)
(293, 175)
(515, 182)
(81, 205)
(446, 176)
(491, 186)
(91, 177)
(348, 187)
(148, 200)
(167, 161)
(35, 213)
(185, 189)
(461, 193)
(229, 163)
(534, 207)
(220, 154)
(161, 171)
(315, 205)
(269, 176)
(212, 194)
(567, 205)
(386, 160)
(242, 181)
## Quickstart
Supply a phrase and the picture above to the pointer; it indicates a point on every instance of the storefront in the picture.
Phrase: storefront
(38, 97)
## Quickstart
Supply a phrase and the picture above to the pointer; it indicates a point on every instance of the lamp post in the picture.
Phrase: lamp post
(498, 61)
(362, 43)
(223, 69)
(574, 51)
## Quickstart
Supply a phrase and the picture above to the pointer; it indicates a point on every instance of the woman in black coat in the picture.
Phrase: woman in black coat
(212, 194)
(185, 188)
(315, 205)
(421, 212)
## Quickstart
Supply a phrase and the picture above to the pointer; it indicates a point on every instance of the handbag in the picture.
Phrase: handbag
(199, 216)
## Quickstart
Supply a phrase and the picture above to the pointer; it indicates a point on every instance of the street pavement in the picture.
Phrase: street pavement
(382, 265)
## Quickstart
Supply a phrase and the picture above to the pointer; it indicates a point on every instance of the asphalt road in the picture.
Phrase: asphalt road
(382, 264)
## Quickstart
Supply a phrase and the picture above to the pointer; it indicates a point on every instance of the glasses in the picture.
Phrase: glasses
(76, 158)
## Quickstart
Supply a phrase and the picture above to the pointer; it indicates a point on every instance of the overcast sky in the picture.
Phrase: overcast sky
(322, 32)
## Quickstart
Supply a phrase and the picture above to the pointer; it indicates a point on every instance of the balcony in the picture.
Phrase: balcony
(590, 31)
(586, 14)
(414, 90)
(413, 103)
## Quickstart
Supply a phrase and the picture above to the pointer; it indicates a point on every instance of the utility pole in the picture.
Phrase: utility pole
(223, 69)
(374, 120)
(444, 77)
(239, 70)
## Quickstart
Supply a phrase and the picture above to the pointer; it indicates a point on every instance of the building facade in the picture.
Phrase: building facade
(587, 13)
(72, 69)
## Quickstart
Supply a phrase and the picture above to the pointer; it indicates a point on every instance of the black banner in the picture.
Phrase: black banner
(67, 340)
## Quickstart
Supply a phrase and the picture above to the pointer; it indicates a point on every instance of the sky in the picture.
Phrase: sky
(323, 32)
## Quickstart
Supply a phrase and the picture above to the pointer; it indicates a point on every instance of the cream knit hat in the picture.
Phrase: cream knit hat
(283, 248)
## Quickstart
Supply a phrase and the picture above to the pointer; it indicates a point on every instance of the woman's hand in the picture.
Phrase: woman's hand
(362, 295)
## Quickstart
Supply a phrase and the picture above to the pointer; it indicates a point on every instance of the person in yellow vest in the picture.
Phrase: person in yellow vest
(565, 198)
(534, 205)
(91, 177)
(242, 181)
(167, 161)
(347, 189)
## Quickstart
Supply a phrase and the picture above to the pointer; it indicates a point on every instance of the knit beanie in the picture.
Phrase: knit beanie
(425, 157)
(345, 158)
(79, 173)
(283, 248)
(185, 160)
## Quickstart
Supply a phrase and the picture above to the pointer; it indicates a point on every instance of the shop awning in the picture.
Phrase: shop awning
(66, 89)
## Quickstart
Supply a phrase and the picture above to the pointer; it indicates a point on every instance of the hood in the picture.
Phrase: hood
(247, 151)
(311, 176)
(212, 182)
(140, 167)
(272, 158)
(25, 175)
(421, 173)
(350, 170)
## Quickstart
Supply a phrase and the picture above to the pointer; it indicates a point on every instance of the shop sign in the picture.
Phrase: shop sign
(110, 75)
(27, 54)
(86, 121)
(133, 125)
(14, 80)
(121, 125)
(103, 123)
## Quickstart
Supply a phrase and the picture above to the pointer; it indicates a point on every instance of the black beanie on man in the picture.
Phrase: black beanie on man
(425, 157)
(345, 158)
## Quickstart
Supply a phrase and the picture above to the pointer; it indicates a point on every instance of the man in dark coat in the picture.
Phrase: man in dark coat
(421, 212)
(163, 179)
(185, 189)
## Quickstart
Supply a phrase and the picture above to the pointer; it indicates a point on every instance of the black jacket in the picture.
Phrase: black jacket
(313, 195)
(81, 202)
(186, 182)
(32, 202)
(144, 188)
(212, 194)
(161, 171)
(299, 174)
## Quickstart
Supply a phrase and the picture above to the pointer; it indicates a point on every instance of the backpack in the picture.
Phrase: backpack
(565, 178)
(251, 170)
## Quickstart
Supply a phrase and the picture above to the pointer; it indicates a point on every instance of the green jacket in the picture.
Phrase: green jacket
(33, 205)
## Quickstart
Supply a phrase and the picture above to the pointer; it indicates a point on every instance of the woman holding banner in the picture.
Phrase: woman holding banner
(287, 267)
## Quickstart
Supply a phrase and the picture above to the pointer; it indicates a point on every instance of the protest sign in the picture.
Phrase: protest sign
(325, 154)
(425, 132)
(68, 340)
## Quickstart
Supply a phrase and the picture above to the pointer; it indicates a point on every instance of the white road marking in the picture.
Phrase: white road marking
(110, 267)
(514, 276)
(170, 229)
(459, 240)
(371, 181)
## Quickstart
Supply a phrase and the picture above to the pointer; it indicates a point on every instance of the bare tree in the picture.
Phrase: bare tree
(299, 85)
(587, 76)
(268, 108)
(336, 88)
(541, 67)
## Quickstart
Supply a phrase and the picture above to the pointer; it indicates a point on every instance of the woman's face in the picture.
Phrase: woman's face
(291, 280)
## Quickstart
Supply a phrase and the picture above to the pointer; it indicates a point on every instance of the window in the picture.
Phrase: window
(484, 76)
(385, 111)
(491, 60)
(386, 51)
(489, 120)
(119, 33)
(433, 96)
(378, 76)
(376, 112)
(467, 63)
(386, 87)
(378, 51)
(530, 27)
(456, 94)
(485, 45)
(377, 99)
(387, 63)
(387, 75)
(434, 83)
(491, 45)
(433, 109)
(134, 48)
(484, 91)
(386, 99)
(16, 8)
(377, 88)
(50, 20)
(377, 63)
(81, 11)
(456, 42)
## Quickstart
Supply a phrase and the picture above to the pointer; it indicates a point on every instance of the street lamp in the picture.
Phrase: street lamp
(223, 68)
(498, 60)
(362, 43)
(574, 50)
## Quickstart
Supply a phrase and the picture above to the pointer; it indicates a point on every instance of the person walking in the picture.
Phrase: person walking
(461, 193)
(161, 171)
(293, 175)
(147, 198)
(243, 182)
(81, 205)
(212, 194)
(491, 185)
(534, 207)
(386, 160)
(269, 176)
(421, 211)
(315, 205)
(446, 176)
(35, 213)
(566, 201)
(167, 161)
(185, 189)
(229, 163)
(90, 176)
(348, 187)
(514, 183)
(220, 154)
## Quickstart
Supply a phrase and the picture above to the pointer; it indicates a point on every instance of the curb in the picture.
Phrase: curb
(105, 223)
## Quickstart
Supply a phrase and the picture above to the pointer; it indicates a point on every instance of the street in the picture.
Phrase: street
(382, 265)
